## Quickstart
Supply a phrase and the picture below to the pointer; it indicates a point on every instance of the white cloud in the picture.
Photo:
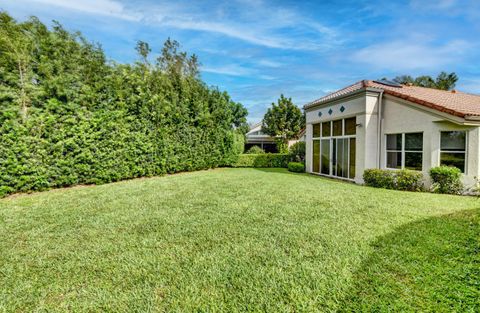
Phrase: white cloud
(269, 63)
(410, 55)
(232, 70)
(98, 7)
(234, 31)
(250, 21)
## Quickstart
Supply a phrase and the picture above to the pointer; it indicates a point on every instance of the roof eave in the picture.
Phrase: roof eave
(350, 94)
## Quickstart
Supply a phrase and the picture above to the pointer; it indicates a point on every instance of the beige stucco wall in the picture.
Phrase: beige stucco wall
(399, 116)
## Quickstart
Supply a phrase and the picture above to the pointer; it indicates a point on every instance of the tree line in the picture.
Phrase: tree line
(68, 115)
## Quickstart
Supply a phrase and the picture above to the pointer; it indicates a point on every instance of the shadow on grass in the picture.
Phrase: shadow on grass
(431, 265)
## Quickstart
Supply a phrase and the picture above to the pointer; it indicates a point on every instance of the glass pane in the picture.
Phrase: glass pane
(337, 128)
(394, 159)
(316, 130)
(352, 158)
(453, 159)
(334, 157)
(326, 129)
(414, 142)
(325, 164)
(394, 142)
(341, 156)
(350, 126)
(413, 160)
(316, 156)
(344, 162)
(453, 141)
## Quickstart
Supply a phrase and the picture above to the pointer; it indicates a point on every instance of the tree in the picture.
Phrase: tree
(15, 46)
(443, 81)
(283, 121)
(143, 50)
(172, 61)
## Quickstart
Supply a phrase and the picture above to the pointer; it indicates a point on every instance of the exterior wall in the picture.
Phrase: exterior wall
(399, 116)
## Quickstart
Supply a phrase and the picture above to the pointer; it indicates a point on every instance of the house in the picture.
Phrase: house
(255, 137)
(382, 124)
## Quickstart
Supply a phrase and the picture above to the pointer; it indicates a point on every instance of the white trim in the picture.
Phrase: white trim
(402, 151)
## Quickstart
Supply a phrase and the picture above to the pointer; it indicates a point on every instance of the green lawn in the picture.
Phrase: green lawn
(239, 240)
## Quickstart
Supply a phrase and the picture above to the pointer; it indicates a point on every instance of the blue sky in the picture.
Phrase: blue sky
(257, 49)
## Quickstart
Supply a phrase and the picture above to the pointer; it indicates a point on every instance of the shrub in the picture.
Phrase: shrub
(296, 167)
(391, 179)
(262, 160)
(255, 150)
(408, 180)
(297, 151)
(379, 178)
(446, 179)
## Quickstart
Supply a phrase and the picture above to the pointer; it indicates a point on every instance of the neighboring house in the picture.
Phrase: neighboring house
(255, 137)
(382, 124)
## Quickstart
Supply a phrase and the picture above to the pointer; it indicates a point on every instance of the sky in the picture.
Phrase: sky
(257, 50)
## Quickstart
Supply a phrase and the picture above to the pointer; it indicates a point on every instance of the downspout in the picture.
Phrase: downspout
(379, 128)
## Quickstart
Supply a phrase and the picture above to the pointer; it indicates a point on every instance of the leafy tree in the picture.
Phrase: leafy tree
(143, 50)
(175, 62)
(444, 81)
(283, 121)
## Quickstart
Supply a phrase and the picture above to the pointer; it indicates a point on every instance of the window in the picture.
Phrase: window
(394, 151)
(350, 126)
(316, 130)
(334, 154)
(405, 151)
(413, 151)
(453, 148)
(337, 128)
(326, 129)
(325, 161)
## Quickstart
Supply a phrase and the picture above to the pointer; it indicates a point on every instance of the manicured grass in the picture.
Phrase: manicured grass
(238, 240)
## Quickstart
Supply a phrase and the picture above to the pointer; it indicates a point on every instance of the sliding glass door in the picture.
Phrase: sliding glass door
(335, 144)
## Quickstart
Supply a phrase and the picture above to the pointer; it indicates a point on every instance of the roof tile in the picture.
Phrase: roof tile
(452, 102)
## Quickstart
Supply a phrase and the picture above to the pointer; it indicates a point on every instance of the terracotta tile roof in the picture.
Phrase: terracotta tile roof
(452, 102)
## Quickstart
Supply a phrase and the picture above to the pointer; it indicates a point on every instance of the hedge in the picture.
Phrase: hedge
(263, 160)
(406, 180)
(77, 118)
(296, 167)
(446, 179)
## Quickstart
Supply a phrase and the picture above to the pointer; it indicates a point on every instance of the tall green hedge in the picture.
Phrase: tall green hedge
(68, 116)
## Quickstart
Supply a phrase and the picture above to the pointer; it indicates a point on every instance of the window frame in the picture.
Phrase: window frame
(330, 138)
(465, 169)
(402, 151)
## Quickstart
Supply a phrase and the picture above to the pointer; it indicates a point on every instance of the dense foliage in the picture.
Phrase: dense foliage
(446, 179)
(255, 150)
(263, 160)
(443, 81)
(297, 151)
(296, 167)
(283, 121)
(68, 116)
(399, 180)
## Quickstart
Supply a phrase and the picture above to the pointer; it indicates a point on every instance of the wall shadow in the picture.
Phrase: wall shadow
(431, 265)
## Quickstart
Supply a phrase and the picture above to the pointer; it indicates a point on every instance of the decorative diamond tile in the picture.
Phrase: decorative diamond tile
(319, 113)
(342, 108)
(330, 111)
